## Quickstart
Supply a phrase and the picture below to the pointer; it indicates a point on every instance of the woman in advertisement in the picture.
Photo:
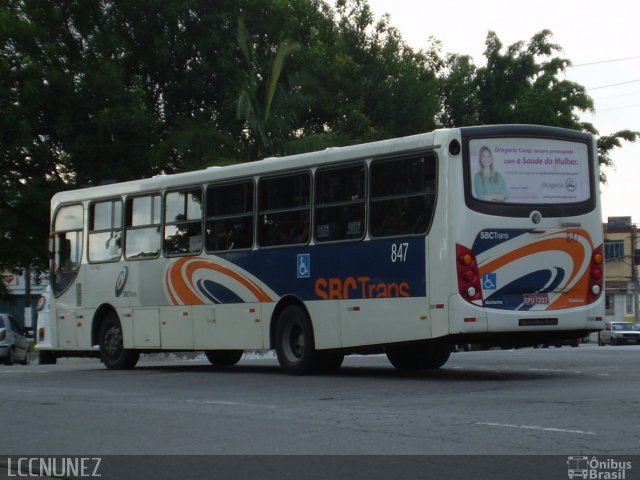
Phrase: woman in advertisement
(487, 183)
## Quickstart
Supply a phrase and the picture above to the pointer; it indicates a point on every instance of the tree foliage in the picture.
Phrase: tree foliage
(114, 90)
(519, 85)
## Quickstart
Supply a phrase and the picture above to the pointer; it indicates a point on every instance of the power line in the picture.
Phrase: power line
(614, 84)
(618, 108)
(605, 61)
(617, 96)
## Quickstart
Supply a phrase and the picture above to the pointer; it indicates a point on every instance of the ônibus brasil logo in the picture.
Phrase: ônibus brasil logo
(121, 281)
(597, 469)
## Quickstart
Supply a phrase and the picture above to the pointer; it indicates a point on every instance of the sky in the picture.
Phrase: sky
(594, 36)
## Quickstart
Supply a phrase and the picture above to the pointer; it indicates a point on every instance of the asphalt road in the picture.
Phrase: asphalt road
(558, 401)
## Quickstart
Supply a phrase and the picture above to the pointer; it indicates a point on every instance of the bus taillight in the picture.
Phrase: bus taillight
(468, 275)
(596, 275)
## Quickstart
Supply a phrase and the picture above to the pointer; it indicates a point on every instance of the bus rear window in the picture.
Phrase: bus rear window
(535, 171)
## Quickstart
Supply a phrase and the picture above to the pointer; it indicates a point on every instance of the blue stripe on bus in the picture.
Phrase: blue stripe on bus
(369, 269)
(217, 293)
(510, 297)
(487, 239)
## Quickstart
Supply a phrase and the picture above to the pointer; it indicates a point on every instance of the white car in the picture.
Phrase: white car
(14, 346)
(619, 333)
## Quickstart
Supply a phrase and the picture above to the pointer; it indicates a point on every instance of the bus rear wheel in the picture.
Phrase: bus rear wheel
(419, 357)
(47, 358)
(224, 358)
(112, 352)
(294, 342)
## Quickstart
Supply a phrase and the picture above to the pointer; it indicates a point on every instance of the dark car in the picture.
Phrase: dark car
(14, 345)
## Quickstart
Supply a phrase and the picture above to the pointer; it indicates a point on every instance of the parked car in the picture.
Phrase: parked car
(14, 345)
(619, 333)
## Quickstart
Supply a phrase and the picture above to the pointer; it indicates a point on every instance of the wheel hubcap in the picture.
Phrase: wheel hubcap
(294, 342)
(113, 342)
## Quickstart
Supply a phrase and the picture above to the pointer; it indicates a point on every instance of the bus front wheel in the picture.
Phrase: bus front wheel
(294, 342)
(112, 352)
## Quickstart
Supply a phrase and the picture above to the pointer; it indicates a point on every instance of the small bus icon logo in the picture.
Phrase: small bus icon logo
(578, 467)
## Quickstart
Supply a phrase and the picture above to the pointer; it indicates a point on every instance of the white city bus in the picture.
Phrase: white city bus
(488, 235)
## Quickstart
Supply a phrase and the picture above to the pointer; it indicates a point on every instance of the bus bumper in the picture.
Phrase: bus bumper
(466, 318)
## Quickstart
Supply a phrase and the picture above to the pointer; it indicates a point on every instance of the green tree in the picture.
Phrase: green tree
(273, 110)
(379, 86)
(607, 143)
(520, 85)
(98, 90)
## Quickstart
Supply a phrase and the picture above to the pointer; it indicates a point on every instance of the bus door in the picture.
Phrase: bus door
(66, 248)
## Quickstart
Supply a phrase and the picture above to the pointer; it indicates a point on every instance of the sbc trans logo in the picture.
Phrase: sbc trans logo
(593, 468)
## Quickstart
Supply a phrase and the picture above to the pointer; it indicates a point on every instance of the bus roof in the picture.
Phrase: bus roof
(305, 160)
(266, 166)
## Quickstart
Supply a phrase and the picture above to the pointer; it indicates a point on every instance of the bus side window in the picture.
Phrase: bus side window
(229, 216)
(403, 193)
(284, 210)
(105, 231)
(142, 227)
(339, 203)
(183, 222)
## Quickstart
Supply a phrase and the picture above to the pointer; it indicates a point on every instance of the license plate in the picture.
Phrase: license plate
(536, 299)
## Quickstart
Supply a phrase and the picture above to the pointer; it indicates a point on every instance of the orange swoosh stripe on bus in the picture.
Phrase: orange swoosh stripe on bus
(179, 284)
(185, 289)
(169, 284)
(574, 249)
(260, 294)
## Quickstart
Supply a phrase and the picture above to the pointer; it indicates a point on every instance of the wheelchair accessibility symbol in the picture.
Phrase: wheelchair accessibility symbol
(304, 265)
(489, 281)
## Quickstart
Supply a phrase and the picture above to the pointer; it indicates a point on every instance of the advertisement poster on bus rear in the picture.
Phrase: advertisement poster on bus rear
(530, 171)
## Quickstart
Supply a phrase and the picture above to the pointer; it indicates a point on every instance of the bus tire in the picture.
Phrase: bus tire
(112, 352)
(438, 356)
(403, 358)
(294, 342)
(224, 358)
(419, 357)
(47, 358)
